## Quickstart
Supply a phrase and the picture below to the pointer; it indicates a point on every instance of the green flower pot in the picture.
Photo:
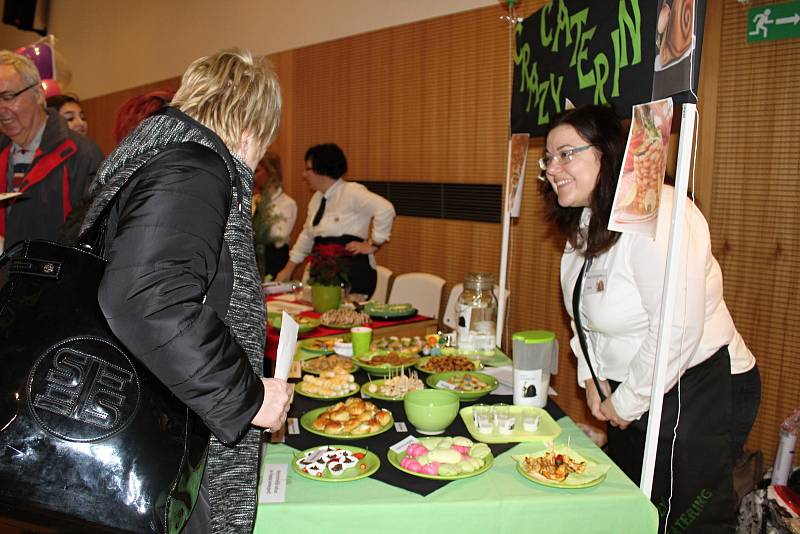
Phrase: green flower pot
(325, 298)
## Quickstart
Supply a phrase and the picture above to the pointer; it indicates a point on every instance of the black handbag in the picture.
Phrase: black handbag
(90, 439)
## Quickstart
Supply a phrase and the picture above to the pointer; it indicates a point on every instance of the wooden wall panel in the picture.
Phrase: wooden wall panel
(429, 102)
(754, 215)
(101, 112)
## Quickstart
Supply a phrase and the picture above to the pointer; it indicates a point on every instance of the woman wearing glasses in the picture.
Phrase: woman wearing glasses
(620, 279)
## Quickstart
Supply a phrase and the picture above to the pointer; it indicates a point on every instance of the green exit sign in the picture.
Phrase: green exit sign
(773, 22)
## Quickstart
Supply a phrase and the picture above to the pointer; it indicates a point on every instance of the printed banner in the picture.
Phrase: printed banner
(590, 52)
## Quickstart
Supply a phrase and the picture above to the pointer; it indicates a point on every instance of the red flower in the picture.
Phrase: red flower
(328, 265)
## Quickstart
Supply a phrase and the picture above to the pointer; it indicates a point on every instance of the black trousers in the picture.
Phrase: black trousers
(745, 400)
(701, 468)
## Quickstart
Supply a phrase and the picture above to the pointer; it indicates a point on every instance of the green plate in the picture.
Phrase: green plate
(308, 418)
(370, 459)
(495, 359)
(548, 429)
(377, 310)
(377, 395)
(306, 362)
(424, 360)
(384, 369)
(395, 458)
(595, 473)
(317, 345)
(298, 387)
(465, 395)
(305, 324)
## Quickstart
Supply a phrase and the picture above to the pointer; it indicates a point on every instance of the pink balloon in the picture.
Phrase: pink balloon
(51, 88)
(42, 56)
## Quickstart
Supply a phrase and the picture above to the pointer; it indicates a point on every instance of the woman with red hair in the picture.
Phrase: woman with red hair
(139, 108)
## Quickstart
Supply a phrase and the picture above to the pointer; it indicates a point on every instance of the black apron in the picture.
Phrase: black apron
(702, 487)
(363, 278)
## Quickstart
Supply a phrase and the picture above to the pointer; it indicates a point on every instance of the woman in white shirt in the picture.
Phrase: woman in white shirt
(619, 311)
(340, 213)
(278, 210)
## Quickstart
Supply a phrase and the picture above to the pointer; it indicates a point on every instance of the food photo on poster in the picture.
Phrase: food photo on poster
(636, 201)
(678, 41)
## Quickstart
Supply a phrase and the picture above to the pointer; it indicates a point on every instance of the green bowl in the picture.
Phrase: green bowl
(431, 410)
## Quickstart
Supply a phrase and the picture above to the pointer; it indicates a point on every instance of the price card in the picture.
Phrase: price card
(273, 483)
(400, 427)
(401, 445)
(291, 426)
(441, 384)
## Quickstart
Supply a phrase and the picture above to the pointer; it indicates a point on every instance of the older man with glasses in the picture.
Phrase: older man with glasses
(47, 163)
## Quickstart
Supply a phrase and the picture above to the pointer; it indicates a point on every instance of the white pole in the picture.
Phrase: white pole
(668, 296)
(501, 297)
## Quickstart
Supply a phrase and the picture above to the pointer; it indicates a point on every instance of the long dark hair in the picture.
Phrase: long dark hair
(601, 127)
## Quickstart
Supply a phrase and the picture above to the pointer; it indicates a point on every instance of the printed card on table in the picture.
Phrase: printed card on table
(273, 483)
(638, 195)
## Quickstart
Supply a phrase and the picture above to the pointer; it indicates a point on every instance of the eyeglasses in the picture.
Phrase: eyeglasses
(563, 157)
(7, 98)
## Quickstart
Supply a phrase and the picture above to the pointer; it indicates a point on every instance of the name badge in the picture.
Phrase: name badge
(595, 281)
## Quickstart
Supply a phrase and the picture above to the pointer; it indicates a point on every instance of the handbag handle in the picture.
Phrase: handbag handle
(576, 315)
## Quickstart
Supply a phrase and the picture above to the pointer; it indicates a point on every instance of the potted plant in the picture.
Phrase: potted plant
(328, 273)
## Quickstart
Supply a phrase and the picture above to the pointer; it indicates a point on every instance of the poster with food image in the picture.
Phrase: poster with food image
(635, 207)
(674, 32)
(675, 42)
(517, 157)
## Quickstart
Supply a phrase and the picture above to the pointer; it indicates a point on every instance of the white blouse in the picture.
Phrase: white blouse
(621, 305)
(349, 209)
(286, 208)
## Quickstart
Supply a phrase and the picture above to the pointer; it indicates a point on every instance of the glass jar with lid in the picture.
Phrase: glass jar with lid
(477, 313)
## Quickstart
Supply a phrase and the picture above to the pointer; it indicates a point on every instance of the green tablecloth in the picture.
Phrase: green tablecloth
(500, 500)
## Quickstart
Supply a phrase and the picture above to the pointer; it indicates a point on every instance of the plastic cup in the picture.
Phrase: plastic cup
(530, 420)
(360, 337)
(482, 414)
(504, 418)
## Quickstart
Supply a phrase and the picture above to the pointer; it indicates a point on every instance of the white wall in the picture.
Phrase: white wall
(109, 45)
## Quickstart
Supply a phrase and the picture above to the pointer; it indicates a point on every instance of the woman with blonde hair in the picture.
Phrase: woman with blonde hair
(180, 289)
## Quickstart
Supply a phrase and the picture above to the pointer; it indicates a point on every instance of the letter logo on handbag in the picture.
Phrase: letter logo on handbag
(83, 389)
